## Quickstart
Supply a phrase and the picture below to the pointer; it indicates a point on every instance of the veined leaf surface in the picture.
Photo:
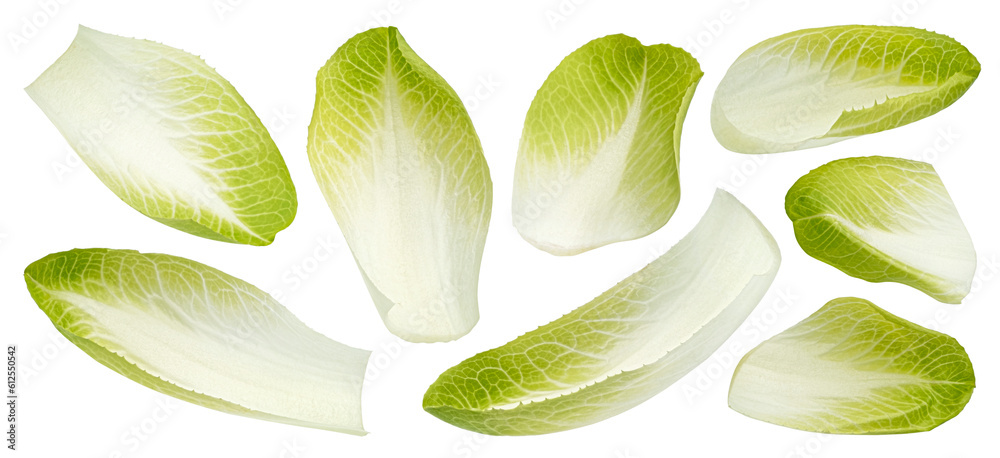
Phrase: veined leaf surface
(169, 136)
(402, 169)
(623, 347)
(814, 87)
(853, 368)
(884, 219)
(598, 158)
(197, 334)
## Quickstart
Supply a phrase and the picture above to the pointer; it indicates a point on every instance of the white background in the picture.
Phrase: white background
(496, 56)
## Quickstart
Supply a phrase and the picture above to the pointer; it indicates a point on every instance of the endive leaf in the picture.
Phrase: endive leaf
(401, 167)
(884, 219)
(625, 346)
(169, 136)
(814, 87)
(192, 332)
(853, 368)
(597, 163)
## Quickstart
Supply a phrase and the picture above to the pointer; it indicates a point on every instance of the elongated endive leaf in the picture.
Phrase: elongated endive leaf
(168, 136)
(598, 157)
(884, 219)
(625, 346)
(853, 368)
(400, 164)
(192, 332)
(814, 87)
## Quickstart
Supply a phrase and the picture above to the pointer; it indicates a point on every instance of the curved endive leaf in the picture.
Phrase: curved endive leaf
(169, 136)
(597, 163)
(814, 87)
(401, 167)
(625, 346)
(884, 219)
(192, 332)
(853, 368)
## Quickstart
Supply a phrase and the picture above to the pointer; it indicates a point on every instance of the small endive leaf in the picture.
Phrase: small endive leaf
(814, 87)
(853, 368)
(197, 334)
(169, 136)
(402, 169)
(623, 347)
(598, 158)
(884, 219)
